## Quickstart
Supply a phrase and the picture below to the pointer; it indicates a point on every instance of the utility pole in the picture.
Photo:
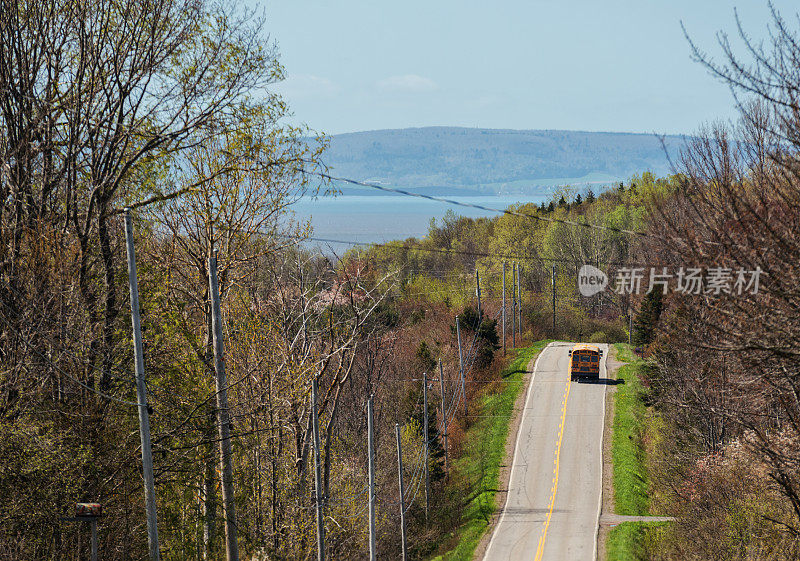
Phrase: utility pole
(317, 474)
(373, 546)
(519, 301)
(223, 418)
(461, 364)
(444, 413)
(402, 492)
(141, 398)
(554, 300)
(504, 309)
(514, 306)
(478, 292)
(425, 436)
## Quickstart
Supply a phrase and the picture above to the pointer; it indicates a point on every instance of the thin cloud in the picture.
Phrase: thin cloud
(408, 83)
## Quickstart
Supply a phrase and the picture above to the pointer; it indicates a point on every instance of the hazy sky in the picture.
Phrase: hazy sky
(599, 65)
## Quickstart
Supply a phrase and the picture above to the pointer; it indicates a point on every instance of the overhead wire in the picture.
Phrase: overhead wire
(481, 207)
(394, 245)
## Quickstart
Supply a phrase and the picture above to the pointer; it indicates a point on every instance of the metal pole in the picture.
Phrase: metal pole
(444, 413)
(373, 546)
(93, 526)
(461, 364)
(402, 492)
(554, 300)
(504, 309)
(223, 418)
(317, 475)
(425, 436)
(141, 396)
(478, 291)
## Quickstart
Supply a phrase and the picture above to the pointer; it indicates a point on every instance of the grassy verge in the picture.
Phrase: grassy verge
(625, 542)
(485, 444)
(630, 540)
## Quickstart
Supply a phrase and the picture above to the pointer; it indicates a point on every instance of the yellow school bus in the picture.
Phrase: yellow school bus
(584, 362)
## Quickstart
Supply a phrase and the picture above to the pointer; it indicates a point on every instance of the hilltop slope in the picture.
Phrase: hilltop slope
(489, 160)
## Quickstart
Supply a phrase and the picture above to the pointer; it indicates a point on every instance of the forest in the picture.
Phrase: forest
(156, 111)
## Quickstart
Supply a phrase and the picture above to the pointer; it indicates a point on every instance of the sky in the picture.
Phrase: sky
(593, 65)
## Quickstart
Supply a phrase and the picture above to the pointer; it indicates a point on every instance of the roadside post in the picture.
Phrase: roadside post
(88, 512)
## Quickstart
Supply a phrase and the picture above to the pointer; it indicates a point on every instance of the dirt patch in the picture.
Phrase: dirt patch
(505, 468)
(607, 502)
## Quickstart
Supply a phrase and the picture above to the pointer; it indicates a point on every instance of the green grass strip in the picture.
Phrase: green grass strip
(630, 470)
(626, 541)
(485, 443)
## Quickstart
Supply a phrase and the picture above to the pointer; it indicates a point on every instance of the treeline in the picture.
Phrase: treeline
(549, 242)
(723, 357)
(722, 342)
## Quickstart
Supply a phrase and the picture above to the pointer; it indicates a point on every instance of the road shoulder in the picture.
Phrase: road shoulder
(504, 475)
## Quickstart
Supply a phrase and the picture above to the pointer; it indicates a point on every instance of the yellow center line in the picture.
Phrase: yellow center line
(540, 549)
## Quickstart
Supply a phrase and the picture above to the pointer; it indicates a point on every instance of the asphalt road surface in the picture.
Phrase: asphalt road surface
(553, 503)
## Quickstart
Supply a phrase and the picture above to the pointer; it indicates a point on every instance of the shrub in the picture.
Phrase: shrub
(598, 337)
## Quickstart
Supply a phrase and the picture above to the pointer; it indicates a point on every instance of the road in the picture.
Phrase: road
(553, 503)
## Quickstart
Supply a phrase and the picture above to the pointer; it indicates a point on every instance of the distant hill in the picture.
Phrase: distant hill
(452, 159)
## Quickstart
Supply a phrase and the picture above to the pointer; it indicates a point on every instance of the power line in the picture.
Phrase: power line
(481, 207)
(394, 245)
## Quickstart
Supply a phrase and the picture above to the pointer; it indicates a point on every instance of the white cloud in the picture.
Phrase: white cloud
(307, 86)
(408, 83)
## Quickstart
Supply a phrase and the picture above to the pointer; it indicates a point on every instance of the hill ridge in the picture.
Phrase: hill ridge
(496, 160)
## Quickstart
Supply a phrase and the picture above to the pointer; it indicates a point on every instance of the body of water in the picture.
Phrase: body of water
(363, 218)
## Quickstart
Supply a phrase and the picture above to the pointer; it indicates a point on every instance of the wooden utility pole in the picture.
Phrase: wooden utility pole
(223, 418)
(141, 397)
(478, 292)
(425, 442)
(444, 413)
(514, 306)
(373, 545)
(461, 365)
(519, 301)
(504, 309)
(317, 474)
(402, 492)
(554, 300)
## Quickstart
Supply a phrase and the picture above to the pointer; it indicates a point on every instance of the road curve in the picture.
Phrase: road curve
(554, 493)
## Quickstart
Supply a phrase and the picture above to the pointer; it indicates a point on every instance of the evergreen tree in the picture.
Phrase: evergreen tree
(578, 199)
(485, 331)
(590, 196)
(644, 325)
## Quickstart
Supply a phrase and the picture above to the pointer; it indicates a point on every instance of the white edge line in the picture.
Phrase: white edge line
(516, 451)
(602, 436)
